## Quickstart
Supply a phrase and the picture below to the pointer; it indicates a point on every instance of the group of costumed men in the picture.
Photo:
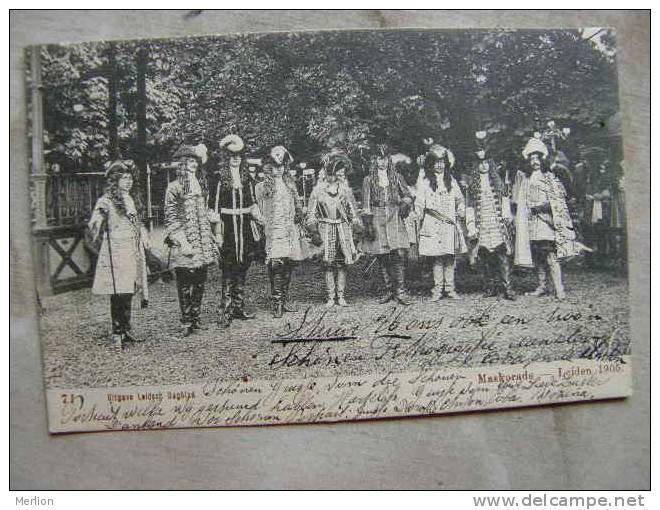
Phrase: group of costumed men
(232, 219)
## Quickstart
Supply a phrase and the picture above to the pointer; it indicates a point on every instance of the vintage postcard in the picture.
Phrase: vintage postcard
(325, 226)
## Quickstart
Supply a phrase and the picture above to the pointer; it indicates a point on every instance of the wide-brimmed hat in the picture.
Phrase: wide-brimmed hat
(232, 143)
(439, 152)
(279, 154)
(399, 157)
(119, 166)
(187, 151)
(535, 145)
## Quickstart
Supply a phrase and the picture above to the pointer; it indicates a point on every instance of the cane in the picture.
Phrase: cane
(112, 266)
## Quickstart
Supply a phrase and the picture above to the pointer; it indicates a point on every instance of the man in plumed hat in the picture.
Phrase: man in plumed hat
(490, 236)
(232, 198)
(280, 211)
(544, 229)
(387, 202)
(189, 234)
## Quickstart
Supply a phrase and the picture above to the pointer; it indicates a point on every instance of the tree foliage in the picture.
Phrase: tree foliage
(315, 90)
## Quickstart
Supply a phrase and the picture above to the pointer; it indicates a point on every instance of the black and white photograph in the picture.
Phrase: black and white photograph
(321, 226)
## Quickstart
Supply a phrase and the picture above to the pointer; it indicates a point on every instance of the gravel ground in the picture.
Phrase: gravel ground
(78, 351)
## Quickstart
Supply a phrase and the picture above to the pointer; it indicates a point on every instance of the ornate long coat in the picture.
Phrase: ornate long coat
(333, 215)
(440, 236)
(474, 199)
(381, 203)
(188, 227)
(277, 213)
(125, 272)
(235, 207)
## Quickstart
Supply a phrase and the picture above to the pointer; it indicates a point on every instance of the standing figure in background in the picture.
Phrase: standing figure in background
(544, 229)
(232, 200)
(280, 211)
(121, 269)
(387, 201)
(491, 238)
(256, 227)
(441, 207)
(189, 234)
(618, 217)
(332, 214)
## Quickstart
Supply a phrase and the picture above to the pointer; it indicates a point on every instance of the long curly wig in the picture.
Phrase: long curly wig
(119, 168)
(429, 163)
(269, 179)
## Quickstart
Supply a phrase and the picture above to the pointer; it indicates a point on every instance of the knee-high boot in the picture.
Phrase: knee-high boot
(196, 295)
(341, 286)
(184, 290)
(286, 274)
(555, 273)
(278, 290)
(226, 309)
(330, 287)
(542, 275)
(505, 276)
(384, 261)
(490, 285)
(269, 270)
(238, 297)
(399, 274)
(448, 269)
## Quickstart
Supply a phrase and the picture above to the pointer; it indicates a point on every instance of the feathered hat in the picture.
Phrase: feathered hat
(280, 154)
(535, 145)
(439, 152)
(119, 166)
(481, 144)
(232, 143)
(188, 151)
(400, 158)
(202, 152)
(336, 160)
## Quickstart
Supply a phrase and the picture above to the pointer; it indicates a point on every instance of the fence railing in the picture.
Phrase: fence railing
(70, 198)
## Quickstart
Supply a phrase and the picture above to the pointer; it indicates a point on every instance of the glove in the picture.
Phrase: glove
(316, 238)
(179, 239)
(405, 206)
(358, 227)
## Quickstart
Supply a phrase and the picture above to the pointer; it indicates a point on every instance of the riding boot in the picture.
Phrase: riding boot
(341, 286)
(238, 296)
(120, 312)
(184, 289)
(542, 276)
(449, 269)
(196, 295)
(399, 271)
(384, 261)
(226, 305)
(490, 289)
(278, 290)
(330, 287)
(269, 270)
(555, 275)
(505, 276)
(286, 275)
(438, 280)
